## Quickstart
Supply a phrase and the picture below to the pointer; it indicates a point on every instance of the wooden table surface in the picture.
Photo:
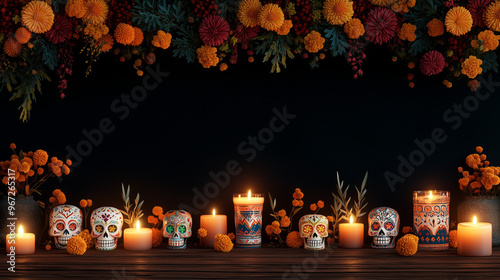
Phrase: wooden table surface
(263, 263)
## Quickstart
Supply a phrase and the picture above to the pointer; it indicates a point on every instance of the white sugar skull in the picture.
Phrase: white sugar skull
(314, 230)
(65, 221)
(384, 227)
(177, 227)
(106, 223)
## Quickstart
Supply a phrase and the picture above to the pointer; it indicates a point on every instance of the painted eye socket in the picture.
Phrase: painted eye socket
(112, 228)
(389, 226)
(72, 226)
(60, 226)
(99, 228)
(170, 229)
(182, 228)
(307, 228)
(375, 226)
(321, 229)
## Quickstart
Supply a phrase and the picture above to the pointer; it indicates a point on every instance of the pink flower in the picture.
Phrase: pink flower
(381, 25)
(61, 29)
(476, 9)
(432, 63)
(214, 30)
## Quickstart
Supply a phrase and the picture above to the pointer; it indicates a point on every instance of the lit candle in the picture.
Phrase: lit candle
(248, 219)
(21, 243)
(351, 235)
(431, 219)
(474, 239)
(137, 239)
(214, 224)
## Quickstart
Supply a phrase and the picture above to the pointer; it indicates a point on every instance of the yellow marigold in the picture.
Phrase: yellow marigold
(157, 237)
(293, 240)
(83, 203)
(202, 232)
(458, 21)
(162, 40)
(313, 43)
(320, 204)
(407, 32)
(453, 239)
(282, 213)
(87, 237)
(382, 3)
(223, 243)
(152, 220)
(271, 17)
(138, 38)
(95, 30)
(76, 246)
(269, 228)
(75, 8)
(12, 47)
(285, 27)
(295, 203)
(96, 11)
(106, 43)
(275, 224)
(407, 245)
(285, 222)
(313, 207)
(435, 27)
(231, 236)
(40, 157)
(472, 67)
(157, 210)
(354, 28)
(23, 35)
(124, 33)
(248, 12)
(492, 16)
(37, 16)
(337, 12)
(207, 56)
(223, 67)
(490, 40)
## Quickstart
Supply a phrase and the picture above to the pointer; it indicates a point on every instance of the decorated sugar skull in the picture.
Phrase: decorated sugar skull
(314, 230)
(65, 221)
(384, 227)
(177, 227)
(106, 223)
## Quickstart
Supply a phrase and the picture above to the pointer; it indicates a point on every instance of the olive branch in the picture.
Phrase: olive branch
(132, 215)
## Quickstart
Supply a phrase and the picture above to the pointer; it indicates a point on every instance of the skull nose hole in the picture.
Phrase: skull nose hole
(315, 235)
(381, 232)
(105, 235)
(65, 232)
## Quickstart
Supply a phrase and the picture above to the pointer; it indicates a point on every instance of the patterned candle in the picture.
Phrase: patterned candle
(248, 219)
(431, 219)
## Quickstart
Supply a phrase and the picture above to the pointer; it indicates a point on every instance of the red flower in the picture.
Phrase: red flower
(476, 9)
(61, 29)
(381, 25)
(214, 30)
(432, 63)
(245, 34)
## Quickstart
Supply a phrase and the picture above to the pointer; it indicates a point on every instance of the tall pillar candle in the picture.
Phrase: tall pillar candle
(214, 224)
(248, 219)
(431, 219)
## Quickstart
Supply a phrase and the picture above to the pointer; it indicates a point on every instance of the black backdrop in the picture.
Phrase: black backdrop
(194, 121)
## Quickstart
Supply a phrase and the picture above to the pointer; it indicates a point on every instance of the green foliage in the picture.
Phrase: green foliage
(46, 51)
(337, 40)
(58, 5)
(227, 8)
(275, 46)
(26, 90)
(421, 44)
(186, 43)
(154, 15)
(133, 215)
(424, 11)
(490, 62)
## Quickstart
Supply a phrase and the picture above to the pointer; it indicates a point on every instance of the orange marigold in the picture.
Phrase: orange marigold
(382, 3)
(124, 33)
(460, 169)
(282, 213)
(231, 236)
(87, 237)
(223, 243)
(106, 43)
(337, 12)
(354, 28)
(407, 245)
(492, 16)
(285, 222)
(223, 67)
(301, 203)
(95, 30)
(276, 230)
(40, 157)
(285, 27)
(275, 224)
(314, 42)
(269, 230)
(453, 239)
(479, 149)
(75, 8)
(458, 21)
(330, 218)
(435, 27)
(472, 67)
(76, 245)
(13, 146)
(202, 233)
(83, 203)
(89, 202)
(490, 40)
(152, 220)
(313, 207)
(271, 17)
(295, 203)
(12, 47)
(139, 37)
(157, 237)
(407, 32)
(25, 167)
(39, 171)
(248, 12)
(407, 230)
(207, 56)
(162, 40)
(69, 162)
(320, 204)
(23, 35)
(157, 210)
(65, 169)
(293, 240)
(37, 16)
(96, 11)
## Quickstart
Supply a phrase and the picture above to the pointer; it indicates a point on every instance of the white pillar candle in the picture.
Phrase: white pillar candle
(214, 224)
(138, 239)
(351, 235)
(21, 243)
(474, 239)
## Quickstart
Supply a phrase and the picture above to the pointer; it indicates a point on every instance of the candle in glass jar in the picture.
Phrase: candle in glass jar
(21, 243)
(474, 239)
(248, 219)
(431, 219)
(351, 235)
(214, 224)
(137, 239)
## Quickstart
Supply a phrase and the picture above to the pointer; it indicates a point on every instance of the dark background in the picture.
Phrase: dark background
(195, 120)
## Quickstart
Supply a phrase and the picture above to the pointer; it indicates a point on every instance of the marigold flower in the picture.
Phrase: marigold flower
(472, 67)
(282, 213)
(231, 236)
(31, 173)
(157, 210)
(138, 38)
(411, 65)
(293, 240)
(12, 47)
(275, 224)
(202, 233)
(13, 146)
(106, 43)
(313, 43)
(354, 28)
(382, 3)
(223, 243)
(75, 8)
(479, 149)
(285, 222)
(40, 157)
(124, 33)
(492, 16)
(23, 35)
(490, 40)
(297, 190)
(162, 39)
(269, 230)
(76, 245)
(65, 169)
(69, 162)
(407, 245)
(87, 237)
(276, 230)
(460, 169)
(435, 27)
(28, 160)
(248, 12)
(295, 203)
(301, 203)
(458, 21)
(5, 180)
(271, 17)
(157, 237)
(89, 202)
(95, 30)
(320, 204)
(207, 56)
(453, 240)
(337, 12)
(223, 67)
(285, 27)
(313, 207)
(25, 167)
(83, 203)
(96, 11)
(407, 32)
(48, 247)
(330, 218)
(52, 199)
(37, 16)
(407, 230)
(152, 220)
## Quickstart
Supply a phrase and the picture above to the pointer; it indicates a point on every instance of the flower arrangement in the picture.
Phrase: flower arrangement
(283, 222)
(32, 169)
(481, 179)
(133, 214)
(156, 220)
(39, 39)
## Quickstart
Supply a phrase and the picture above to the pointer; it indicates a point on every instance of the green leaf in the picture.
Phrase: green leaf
(337, 39)
(490, 62)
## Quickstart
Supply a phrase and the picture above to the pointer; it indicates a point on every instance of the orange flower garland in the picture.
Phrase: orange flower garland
(124, 34)
(354, 28)
(472, 67)
(492, 16)
(458, 21)
(248, 12)
(337, 12)
(37, 16)
(207, 56)
(314, 42)
(435, 27)
(271, 17)
(12, 47)
(23, 35)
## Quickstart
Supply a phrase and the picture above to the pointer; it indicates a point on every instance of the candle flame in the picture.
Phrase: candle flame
(213, 212)
(249, 194)
(351, 220)
(474, 221)
(239, 196)
(138, 225)
(430, 196)
(21, 230)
